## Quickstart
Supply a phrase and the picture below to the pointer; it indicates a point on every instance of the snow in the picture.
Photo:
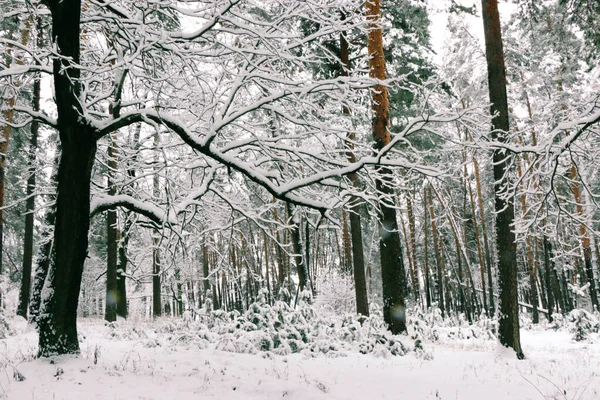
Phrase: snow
(140, 360)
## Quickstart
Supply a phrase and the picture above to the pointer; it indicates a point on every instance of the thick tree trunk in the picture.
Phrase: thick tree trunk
(58, 318)
(390, 246)
(509, 334)
(57, 321)
(24, 293)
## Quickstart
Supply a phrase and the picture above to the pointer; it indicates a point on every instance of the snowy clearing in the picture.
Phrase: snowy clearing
(140, 361)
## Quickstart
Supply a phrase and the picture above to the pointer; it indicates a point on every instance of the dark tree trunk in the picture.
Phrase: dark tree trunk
(112, 238)
(24, 293)
(426, 248)
(509, 334)
(58, 318)
(390, 246)
(205, 271)
(548, 276)
(297, 247)
(156, 284)
(57, 321)
(357, 257)
(122, 309)
(45, 255)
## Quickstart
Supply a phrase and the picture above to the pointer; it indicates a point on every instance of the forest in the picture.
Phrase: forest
(248, 181)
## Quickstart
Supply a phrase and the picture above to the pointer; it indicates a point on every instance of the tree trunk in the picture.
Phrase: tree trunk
(413, 248)
(480, 255)
(509, 334)
(390, 246)
(45, 255)
(438, 256)
(583, 235)
(426, 248)
(486, 245)
(58, 318)
(297, 247)
(122, 309)
(112, 237)
(24, 293)
(358, 257)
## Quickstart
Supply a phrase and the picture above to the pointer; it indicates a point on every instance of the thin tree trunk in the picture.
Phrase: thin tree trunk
(426, 248)
(438, 256)
(484, 231)
(583, 235)
(358, 257)
(8, 115)
(46, 253)
(480, 256)
(413, 248)
(24, 293)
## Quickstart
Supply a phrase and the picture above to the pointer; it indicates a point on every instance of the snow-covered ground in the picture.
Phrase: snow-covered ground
(134, 360)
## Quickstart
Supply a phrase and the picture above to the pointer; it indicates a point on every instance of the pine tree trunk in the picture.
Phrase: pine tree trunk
(390, 246)
(508, 330)
(583, 235)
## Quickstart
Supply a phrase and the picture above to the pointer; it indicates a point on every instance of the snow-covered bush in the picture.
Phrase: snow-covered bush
(582, 324)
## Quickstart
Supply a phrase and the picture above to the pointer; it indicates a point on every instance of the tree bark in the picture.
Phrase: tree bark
(509, 334)
(584, 236)
(112, 237)
(390, 246)
(57, 322)
(297, 247)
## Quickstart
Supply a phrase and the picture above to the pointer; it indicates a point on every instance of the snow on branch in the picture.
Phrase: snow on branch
(148, 210)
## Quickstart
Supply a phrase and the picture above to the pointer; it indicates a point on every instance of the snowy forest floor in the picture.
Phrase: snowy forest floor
(162, 360)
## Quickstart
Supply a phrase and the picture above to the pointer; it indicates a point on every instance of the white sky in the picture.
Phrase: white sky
(439, 19)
